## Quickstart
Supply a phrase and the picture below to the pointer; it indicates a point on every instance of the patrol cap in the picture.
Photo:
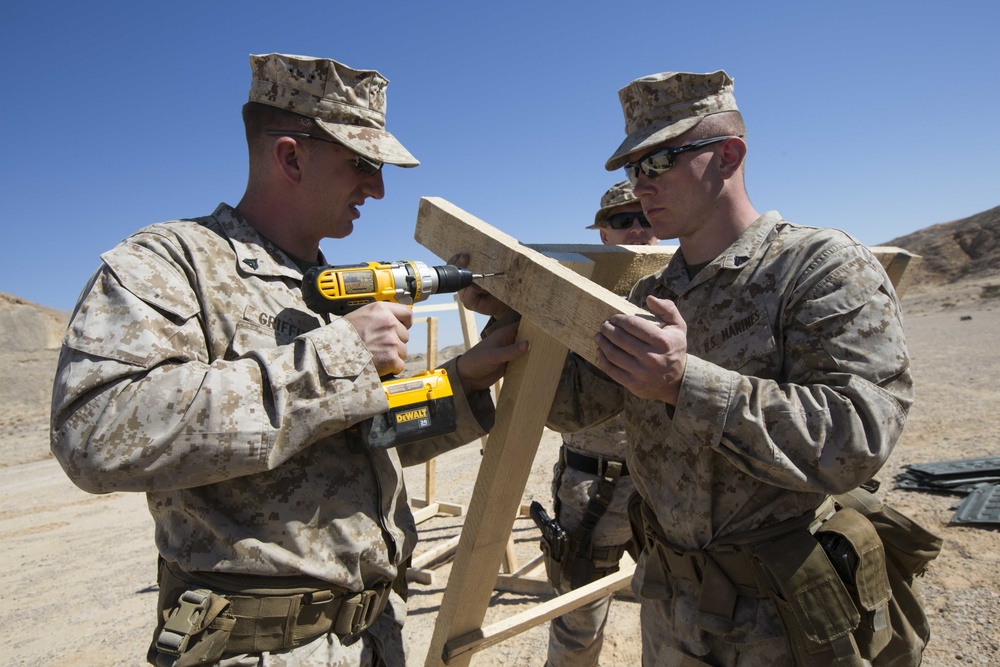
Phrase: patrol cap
(348, 104)
(662, 106)
(617, 195)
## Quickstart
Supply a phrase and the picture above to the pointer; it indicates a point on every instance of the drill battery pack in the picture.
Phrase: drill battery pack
(420, 407)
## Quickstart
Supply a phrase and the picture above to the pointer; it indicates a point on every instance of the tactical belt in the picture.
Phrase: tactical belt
(593, 465)
(727, 554)
(723, 569)
(265, 613)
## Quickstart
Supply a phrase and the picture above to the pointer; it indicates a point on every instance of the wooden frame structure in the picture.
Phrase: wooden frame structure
(560, 310)
(429, 507)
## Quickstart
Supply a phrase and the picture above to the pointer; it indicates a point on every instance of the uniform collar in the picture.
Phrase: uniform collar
(750, 241)
(735, 256)
(255, 254)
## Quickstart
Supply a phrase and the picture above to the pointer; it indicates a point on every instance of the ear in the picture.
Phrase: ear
(286, 156)
(604, 236)
(733, 153)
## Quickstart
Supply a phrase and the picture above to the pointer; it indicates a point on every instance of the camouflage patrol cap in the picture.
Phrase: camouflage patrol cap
(348, 104)
(618, 195)
(666, 105)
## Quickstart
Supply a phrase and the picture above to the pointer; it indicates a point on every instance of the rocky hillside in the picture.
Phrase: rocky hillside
(955, 251)
(29, 347)
(25, 326)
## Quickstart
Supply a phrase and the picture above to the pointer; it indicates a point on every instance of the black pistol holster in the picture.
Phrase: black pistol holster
(575, 561)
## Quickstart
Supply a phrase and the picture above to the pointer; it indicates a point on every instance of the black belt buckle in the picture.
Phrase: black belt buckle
(592, 465)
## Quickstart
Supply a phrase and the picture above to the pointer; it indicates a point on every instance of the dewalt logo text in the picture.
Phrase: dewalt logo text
(410, 415)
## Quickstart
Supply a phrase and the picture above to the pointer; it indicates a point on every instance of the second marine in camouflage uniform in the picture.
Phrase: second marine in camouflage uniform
(796, 386)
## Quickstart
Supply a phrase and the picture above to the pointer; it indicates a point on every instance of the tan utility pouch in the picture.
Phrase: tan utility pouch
(858, 556)
(815, 607)
(909, 548)
(908, 545)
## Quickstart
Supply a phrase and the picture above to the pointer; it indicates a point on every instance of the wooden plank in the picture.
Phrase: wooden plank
(432, 307)
(430, 468)
(470, 335)
(416, 575)
(554, 297)
(619, 267)
(509, 562)
(531, 565)
(616, 267)
(451, 509)
(519, 581)
(482, 638)
(433, 554)
(523, 585)
(500, 484)
(425, 512)
(900, 265)
(467, 318)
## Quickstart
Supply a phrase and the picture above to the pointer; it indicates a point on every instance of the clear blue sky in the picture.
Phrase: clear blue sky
(879, 118)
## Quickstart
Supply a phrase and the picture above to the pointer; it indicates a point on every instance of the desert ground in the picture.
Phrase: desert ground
(77, 586)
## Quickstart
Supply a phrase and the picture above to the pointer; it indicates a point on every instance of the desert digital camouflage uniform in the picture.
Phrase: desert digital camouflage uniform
(193, 371)
(577, 637)
(797, 386)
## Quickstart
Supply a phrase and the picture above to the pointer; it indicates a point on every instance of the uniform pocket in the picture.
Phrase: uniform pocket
(248, 337)
(139, 310)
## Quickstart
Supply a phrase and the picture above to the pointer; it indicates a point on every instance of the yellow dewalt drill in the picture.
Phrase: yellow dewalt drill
(421, 406)
(340, 289)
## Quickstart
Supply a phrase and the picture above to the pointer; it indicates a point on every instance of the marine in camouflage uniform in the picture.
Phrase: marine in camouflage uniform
(591, 476)
(194, 372)
(777, 376)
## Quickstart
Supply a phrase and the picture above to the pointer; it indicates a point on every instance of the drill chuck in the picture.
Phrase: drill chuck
(451, 278)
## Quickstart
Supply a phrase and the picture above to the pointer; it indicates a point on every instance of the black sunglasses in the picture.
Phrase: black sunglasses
(661, 161)
(626, 220)
(361, 163)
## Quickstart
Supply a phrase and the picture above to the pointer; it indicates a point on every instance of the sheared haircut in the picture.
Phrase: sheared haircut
(258, 117)
(717, 124)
